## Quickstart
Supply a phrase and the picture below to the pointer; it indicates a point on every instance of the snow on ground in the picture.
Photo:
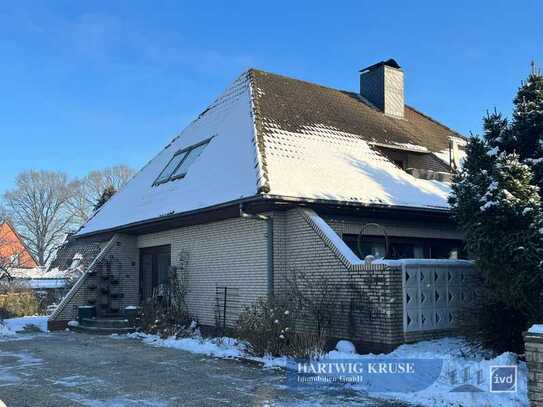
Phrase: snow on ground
(218, 347)
(10, 327)
(536, 329)
(456, 354)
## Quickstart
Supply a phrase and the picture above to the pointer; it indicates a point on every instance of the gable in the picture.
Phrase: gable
(12, 245)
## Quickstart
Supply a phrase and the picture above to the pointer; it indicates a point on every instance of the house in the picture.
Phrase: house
(22, 270)
(280, 174)
(13, 251)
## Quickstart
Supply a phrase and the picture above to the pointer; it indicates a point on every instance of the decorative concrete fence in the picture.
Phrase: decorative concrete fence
(534, 357)
(434, 292)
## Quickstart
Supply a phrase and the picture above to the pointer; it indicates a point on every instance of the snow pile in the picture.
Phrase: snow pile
(453, 352)
(346, 347)
(223, 347)
(536, 329)
(12, 326)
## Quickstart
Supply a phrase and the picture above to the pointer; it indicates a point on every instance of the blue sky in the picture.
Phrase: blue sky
(87, 85)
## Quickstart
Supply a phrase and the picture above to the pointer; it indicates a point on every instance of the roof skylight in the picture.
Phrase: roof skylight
(179, 165)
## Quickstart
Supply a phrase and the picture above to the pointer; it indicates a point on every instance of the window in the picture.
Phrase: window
(179, 165)
(405, 248)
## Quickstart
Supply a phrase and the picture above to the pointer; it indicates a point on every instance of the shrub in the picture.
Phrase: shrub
(17, 300)
(166, 313)
(268, 326)
(265, 325)
(316, 298)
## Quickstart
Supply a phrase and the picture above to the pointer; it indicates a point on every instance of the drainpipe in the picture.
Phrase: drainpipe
(269, 224)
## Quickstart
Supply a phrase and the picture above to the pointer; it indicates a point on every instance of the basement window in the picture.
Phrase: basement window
(178, 166)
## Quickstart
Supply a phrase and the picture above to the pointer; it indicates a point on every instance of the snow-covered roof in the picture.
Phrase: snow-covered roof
(277, 136)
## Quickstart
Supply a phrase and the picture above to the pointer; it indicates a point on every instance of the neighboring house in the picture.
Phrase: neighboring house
(280, 174)
(13, 251)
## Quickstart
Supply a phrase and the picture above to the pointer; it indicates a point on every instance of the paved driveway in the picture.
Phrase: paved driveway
(68, 369)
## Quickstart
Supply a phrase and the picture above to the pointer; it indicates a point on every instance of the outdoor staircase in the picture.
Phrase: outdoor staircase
(103, 326)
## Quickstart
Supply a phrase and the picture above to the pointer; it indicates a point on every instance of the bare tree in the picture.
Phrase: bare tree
(91, 188)
(37, 207)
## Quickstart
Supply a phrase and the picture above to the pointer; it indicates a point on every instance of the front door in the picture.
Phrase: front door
(154, 265)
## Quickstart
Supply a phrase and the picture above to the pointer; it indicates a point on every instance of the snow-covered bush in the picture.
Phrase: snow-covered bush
(268, 326)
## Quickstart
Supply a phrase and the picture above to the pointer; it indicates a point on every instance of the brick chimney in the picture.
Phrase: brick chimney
(382, 85)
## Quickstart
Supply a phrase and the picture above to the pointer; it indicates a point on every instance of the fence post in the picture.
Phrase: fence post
(224, 312)
(534, 357)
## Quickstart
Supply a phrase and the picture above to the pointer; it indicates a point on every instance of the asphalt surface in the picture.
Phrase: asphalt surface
(70, 369)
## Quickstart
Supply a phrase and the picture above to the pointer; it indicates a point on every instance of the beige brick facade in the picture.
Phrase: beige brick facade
(233, 253)
(230, 253)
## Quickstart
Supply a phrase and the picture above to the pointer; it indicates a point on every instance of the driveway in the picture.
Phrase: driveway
(69, 369)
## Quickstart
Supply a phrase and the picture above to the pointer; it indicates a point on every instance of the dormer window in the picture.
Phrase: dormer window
(178, 166)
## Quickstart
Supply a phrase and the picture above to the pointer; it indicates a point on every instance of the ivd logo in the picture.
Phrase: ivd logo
(503, 379)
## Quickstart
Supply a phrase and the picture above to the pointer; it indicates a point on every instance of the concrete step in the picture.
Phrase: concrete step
(93, 330)
(105, 322)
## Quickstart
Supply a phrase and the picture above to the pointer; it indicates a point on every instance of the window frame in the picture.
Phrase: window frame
(186, 151)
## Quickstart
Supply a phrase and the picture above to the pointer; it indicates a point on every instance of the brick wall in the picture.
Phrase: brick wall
(534, 359)
(122, 255)
(369, 308)
(231, 253)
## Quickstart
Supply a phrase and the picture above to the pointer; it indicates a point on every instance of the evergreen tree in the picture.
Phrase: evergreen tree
(497, 133)
(496, 200)
(527, 123)
(107, 193)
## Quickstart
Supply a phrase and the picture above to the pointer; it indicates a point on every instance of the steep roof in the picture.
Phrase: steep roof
(277, 136)
(12, 244)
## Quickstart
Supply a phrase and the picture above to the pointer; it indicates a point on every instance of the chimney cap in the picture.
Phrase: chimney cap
(389, 62)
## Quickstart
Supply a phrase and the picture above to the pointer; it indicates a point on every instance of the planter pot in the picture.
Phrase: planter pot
(132, 313)
(86, 312)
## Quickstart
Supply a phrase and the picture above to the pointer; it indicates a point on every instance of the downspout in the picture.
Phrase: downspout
(269, 225)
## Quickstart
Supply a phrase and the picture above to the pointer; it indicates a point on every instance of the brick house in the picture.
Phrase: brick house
(278, 174)
(13, 251)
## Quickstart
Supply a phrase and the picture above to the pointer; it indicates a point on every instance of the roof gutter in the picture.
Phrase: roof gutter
(267, 197)
(269, 235)
(168, 217)
(432, 209)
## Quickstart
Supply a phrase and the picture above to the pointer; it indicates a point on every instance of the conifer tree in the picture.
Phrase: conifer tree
(527, 123)
(496, 201)
(108, 192)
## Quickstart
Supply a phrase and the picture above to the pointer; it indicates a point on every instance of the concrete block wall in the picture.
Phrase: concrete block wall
(231, 253)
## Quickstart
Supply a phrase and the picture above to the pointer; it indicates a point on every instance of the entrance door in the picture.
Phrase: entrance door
(154, 265)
